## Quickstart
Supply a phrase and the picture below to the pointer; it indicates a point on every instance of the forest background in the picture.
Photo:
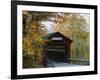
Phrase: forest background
(75, 26)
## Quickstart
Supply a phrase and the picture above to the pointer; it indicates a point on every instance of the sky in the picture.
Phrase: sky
(48, 25)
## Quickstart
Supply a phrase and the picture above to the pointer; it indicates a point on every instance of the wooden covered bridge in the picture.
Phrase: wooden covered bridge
(57, 50)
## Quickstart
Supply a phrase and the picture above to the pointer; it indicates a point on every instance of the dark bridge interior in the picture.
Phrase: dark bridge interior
(56, 52)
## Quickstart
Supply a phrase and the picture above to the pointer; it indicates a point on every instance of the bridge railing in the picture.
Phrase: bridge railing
(79, 61)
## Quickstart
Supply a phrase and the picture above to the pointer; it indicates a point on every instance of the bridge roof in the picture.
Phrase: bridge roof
(53, 34)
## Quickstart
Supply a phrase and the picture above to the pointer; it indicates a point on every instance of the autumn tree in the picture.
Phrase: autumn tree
(33, 31)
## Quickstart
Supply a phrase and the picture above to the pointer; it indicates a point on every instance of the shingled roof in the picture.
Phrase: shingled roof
(52, 34)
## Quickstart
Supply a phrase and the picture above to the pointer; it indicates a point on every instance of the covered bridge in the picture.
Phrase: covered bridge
(57, 49)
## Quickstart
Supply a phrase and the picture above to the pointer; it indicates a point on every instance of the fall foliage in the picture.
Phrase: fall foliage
(72, 25)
